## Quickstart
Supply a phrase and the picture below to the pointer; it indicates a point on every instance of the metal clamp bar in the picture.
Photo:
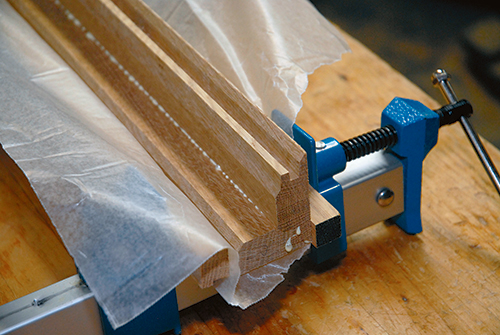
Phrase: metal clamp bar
(441, 79)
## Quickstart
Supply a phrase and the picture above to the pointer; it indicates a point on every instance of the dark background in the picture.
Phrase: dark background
(417, 37)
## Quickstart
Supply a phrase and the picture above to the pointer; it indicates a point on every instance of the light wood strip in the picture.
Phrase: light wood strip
(245, 192)
(272, 138)
(445, 273)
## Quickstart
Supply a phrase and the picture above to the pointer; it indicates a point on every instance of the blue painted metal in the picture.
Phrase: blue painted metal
(309, 145)
(417, 127)
(330, 160)
(323, 164)
(162, 317)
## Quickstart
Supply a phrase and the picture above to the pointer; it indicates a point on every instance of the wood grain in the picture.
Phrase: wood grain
(31, 254)
(215, 84)
(246, 176)
(217, 267)
(442, 281)
(322, 213)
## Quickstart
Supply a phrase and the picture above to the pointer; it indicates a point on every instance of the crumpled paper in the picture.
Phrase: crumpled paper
(266, 48)
(133, 235)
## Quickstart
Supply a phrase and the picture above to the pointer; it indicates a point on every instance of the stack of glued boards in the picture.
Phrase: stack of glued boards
(244, 173)
(442, 281)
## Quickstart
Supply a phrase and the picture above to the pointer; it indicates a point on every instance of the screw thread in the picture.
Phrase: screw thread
(371, 142)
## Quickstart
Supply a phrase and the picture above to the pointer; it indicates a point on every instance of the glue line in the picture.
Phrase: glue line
(132, 79)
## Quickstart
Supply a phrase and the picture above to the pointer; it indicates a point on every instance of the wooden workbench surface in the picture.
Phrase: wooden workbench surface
(444, 280)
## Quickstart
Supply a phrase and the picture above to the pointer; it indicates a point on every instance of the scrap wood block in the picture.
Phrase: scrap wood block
(325, 218)
(215, 268)
(246, 175)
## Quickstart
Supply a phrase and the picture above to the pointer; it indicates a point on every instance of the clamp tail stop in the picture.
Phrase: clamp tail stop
(417, 127)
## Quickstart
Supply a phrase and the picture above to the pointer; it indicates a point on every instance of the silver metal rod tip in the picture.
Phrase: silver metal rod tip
(439, 75)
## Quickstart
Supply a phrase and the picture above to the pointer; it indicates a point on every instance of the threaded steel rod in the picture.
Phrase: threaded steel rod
(371, 142)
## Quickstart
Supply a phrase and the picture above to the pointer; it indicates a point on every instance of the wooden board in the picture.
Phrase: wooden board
(443, 281)
(245, 174)
(31, 254)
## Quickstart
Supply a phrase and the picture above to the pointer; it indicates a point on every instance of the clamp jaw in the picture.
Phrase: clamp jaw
(412, 130)
(382, 186)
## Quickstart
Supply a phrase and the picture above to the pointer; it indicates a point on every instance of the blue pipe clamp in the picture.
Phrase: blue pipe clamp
(416, 128)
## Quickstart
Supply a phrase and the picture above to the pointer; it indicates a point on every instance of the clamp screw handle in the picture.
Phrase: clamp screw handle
(452, 113)
(441, 79)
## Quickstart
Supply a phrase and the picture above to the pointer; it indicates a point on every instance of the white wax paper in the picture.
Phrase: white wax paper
(133, 235)
(266, 48)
